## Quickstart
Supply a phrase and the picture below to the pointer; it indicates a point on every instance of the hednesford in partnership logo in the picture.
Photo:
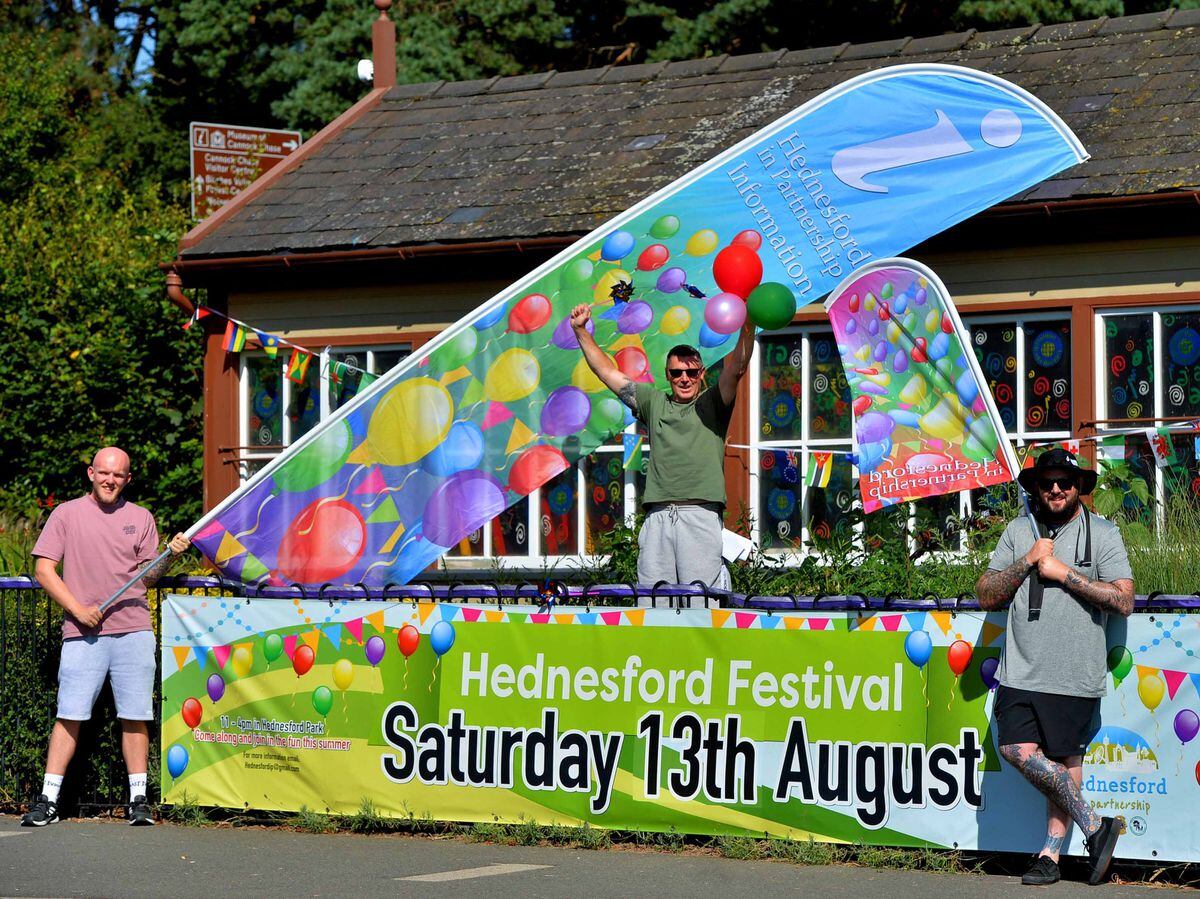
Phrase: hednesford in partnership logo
(1119, 760)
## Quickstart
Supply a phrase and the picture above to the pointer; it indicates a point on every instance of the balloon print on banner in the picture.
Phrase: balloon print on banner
(503, 400)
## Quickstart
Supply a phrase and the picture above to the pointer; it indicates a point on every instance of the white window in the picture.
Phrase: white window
(1148, 375)
(277, 411)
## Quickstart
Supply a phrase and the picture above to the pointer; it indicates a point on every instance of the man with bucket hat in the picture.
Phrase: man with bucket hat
(1059, 590)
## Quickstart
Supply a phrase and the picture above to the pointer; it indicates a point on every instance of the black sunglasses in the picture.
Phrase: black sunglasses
(1065, 482)
(692, 373)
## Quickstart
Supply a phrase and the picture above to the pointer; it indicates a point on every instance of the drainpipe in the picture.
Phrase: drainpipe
(176, 296)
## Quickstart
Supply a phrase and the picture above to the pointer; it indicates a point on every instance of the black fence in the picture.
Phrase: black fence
(30, 639)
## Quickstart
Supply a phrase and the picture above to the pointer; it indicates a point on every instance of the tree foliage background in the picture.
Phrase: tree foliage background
(95, 97)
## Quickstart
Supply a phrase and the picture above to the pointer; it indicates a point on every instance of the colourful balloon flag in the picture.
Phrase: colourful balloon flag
(889, 159)
(924, 426)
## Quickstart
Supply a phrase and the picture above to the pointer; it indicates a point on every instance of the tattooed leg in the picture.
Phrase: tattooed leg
(1055, 781)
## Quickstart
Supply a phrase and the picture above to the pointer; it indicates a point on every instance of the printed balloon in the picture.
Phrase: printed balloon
(748, 238)
(322, 700)
(675, 321)
(671, 280)
(177, 760)
(317, 461)
(603, 291)
(374, 650)
(608, 417)
(513, 376)
(529, 314)
(1120, 663)
(490, 318)
(462, 449)
(577, 273)
(565, 411)
(409, 421)
(771, 305)
(987, 671)
(635, 317)
(710, 338)
(737, 270)
(617, 246)
(441, 637)
(725, 313)
(1187, 725)
(1150, 690)
(918, 647)
(459, 505)
(216, 687)
(242, 661)
(564, 335)
(959, 656)
(302, 660)
(323, 542)
(343, 673)
(632, 363)
(193, 712)
(664, 227)
(457, 351)
(407, 639)
(272, 647)
(585, 379)
(702, 243)
(653, 257)
(535, 467)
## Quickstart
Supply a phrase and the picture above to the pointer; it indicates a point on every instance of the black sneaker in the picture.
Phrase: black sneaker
(1101, 845)
(42, 813)
(1043, 872)
(138, 812)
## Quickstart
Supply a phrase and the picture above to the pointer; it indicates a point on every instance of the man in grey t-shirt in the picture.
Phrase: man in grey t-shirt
(1059, 590)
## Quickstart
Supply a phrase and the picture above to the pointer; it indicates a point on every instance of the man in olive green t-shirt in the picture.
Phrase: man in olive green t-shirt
(680, 541)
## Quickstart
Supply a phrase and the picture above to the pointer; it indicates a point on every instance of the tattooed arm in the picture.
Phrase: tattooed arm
(177, 545)
(996, 589)
(599, 362)
(1115, 597)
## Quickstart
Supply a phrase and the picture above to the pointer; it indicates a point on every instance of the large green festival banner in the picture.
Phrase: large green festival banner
(840, 726)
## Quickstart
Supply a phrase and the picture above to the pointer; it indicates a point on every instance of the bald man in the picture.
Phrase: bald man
(101, 541)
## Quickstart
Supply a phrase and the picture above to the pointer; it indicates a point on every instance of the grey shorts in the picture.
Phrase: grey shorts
(128, 660)
(680, 543)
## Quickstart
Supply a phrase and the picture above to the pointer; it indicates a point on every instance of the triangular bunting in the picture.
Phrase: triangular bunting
(585, 618)
(253, 570)
(449, 610)
(376, 620)
(1173, 679)
(470, 615)
(891, 622)
(312, 639)
(208, 530)
(1195, 682)
(181, 655)
(991, 632)
(1146, 671)
(494, 617)
(221, 654)
(942, 619)
(916, 621)
(473, 394)
(539, 618)
(201, 655)
(425, 609)
(520, 436)
(817, 624)
(333, 633)
(392, 540)
(636, 617)
(719, 617)
(355, 629)
(610, 617)
(497, 414)
(373, 483)
(229, 548)
(769, 622)
(289, 645)
(361, 454)
(566, 618)
(385, 512)
(744, 619)
(793, 623)
(867, 624)
(457, 375)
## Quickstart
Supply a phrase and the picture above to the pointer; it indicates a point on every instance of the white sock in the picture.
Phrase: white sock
(137, 786)
(51, 784)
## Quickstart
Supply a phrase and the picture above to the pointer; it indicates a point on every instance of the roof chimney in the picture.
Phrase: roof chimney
(383, 46)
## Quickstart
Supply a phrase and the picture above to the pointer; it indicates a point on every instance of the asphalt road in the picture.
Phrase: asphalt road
(109, 859)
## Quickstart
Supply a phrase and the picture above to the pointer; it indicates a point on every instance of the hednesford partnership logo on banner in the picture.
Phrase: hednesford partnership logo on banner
(1119, 761)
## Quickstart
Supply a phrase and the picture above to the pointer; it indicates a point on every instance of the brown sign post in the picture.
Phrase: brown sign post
(227, 158)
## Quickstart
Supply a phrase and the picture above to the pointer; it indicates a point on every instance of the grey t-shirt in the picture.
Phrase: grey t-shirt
(1063, 652)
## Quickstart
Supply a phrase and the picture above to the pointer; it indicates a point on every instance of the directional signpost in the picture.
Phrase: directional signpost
(227, 158)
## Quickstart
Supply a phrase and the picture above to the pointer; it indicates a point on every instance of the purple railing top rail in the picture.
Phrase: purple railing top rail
(671, 595)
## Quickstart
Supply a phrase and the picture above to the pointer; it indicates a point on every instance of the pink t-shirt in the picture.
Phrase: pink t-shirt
(101, 547)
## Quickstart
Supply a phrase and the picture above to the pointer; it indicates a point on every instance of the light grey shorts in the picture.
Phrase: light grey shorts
(128, 660)
(680, 543)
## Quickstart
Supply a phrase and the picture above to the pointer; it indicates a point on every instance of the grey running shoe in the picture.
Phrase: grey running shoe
(138, 812)
(42, 813)
(1043, 872)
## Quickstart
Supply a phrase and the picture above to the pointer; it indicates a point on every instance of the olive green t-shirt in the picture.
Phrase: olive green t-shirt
(687, 445)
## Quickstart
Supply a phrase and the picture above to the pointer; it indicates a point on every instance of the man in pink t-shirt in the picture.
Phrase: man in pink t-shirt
(101, 541)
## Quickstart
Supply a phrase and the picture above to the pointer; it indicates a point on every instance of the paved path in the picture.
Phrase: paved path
(108, 858)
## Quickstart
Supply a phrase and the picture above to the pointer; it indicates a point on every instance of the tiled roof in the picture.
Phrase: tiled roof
(558, 153)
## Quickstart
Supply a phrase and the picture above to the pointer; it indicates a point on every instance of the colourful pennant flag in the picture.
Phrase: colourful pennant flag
(1112, 450)
(632, 445)
(1162, 446)
(818, 470)
(200, 313)
(268, 342)
(235, 337)
(297, 368)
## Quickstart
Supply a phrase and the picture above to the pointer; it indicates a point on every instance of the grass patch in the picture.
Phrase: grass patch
(187, 812)
(366, 820)
(311, 822)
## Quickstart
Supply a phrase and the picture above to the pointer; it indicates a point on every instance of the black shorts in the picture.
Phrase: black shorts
(1061, 725)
